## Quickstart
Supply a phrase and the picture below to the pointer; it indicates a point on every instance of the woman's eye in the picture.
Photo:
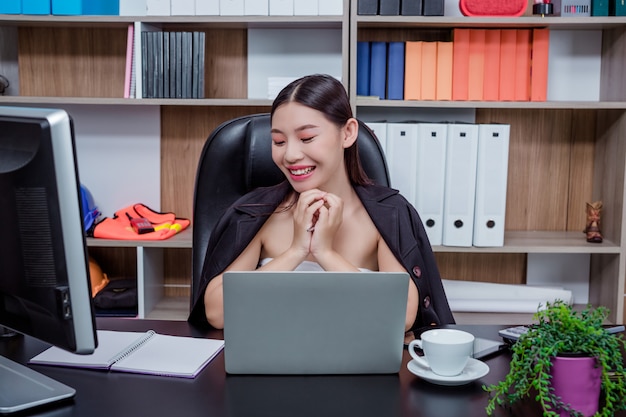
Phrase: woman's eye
(305, 140)
(278, 142)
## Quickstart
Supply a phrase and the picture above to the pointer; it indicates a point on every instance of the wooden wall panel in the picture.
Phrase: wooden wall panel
(550, 166)
(500, 268)
(226, 64)
(72, 62)
(183, 133)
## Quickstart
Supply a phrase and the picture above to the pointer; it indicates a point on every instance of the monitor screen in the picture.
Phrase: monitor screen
(44, 271)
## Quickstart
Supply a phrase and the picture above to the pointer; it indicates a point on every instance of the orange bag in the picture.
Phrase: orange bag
(493, 7)
(165, 225)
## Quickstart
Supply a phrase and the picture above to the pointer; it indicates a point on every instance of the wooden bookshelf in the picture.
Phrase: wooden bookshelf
(563, 153)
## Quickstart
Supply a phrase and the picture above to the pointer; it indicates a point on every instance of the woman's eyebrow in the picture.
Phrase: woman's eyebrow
(298, 129)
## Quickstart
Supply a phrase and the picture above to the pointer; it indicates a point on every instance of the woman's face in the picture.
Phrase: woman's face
(307, 147)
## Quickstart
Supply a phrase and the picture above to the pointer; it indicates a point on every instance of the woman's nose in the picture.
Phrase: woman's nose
(293, 152)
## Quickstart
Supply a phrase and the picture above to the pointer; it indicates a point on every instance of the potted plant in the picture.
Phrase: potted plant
(561, 332)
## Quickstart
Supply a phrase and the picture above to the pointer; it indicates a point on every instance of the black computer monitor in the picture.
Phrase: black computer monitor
(44, 270)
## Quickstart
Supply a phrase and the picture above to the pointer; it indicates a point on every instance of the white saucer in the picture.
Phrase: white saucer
(474, 370)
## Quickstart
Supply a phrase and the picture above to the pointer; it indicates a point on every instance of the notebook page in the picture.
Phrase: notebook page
(167, 355)
(110, 345)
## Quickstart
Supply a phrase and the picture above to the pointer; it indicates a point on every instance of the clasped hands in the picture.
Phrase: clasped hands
(317, 217)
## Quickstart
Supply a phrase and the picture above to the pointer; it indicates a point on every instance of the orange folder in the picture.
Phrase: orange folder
(460, 63)
(429, 71)
(413, 70)
(476, 64)
(444, 71)
(491, 81)
(539, 65)
(508, 43)
(522, 65)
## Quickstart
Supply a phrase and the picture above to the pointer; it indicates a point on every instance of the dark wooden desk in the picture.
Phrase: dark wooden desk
(213, 393)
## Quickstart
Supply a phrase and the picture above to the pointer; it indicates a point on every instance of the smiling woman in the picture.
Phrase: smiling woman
(327, 212)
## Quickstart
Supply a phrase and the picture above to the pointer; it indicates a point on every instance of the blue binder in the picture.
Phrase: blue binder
(101, 7)
(67, 7)
(363, 68)
(395, 71)
(36, 6)
(10, 6)
(378, 70)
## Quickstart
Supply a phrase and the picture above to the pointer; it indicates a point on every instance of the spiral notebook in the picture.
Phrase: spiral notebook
(139, 352)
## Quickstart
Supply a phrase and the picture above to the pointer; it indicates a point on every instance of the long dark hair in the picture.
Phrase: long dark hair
(327, 95)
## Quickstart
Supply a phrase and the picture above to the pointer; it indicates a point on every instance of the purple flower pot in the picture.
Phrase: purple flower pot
(577, 381)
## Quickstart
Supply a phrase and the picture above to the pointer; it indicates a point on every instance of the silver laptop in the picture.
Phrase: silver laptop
(314, 322)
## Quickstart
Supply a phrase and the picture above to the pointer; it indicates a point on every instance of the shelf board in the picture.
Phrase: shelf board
(514, 242)
(361, 102)
(180, 240)
(555, 22)
(541, 242)
(375, 102)
(170, 308)
(136, 102)
(219, 22)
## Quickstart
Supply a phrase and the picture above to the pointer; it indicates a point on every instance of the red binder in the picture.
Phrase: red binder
(522, 65)
(508, 44)
(491, 83)
(460, 63)
(539, 65)
(476, 64)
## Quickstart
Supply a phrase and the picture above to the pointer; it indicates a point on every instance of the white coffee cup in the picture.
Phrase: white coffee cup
(446, 351)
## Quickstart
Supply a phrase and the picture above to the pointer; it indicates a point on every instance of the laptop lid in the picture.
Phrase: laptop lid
(314, 322)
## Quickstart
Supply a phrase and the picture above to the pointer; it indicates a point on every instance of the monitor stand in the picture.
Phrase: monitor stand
(22, 388)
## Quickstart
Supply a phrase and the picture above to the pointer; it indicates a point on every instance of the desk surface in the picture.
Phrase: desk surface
(213, 393)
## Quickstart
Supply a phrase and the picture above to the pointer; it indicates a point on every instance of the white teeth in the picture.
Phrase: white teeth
(303, 171)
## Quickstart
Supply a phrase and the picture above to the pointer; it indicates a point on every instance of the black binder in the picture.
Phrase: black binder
(367, 7)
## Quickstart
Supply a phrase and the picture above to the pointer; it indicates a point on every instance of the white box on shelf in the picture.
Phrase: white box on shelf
(207, 7)
(183, 7)
(305, 7)
(330, 7)
(231, 7)
(291, 53)
(158, 7)
(133, 7)
(256, 7)
(281, 7)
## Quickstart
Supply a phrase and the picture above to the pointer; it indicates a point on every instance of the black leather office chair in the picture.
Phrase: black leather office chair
(237, 158)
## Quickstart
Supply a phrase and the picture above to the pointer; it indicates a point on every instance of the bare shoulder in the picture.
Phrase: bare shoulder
(276, 234)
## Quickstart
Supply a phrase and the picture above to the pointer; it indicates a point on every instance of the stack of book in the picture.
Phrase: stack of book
(478, 65)
(164, 64)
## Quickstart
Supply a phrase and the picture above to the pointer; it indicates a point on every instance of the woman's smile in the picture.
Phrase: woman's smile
(300, 173)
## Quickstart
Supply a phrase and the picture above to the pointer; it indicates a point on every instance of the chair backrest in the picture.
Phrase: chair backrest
(236, 158)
